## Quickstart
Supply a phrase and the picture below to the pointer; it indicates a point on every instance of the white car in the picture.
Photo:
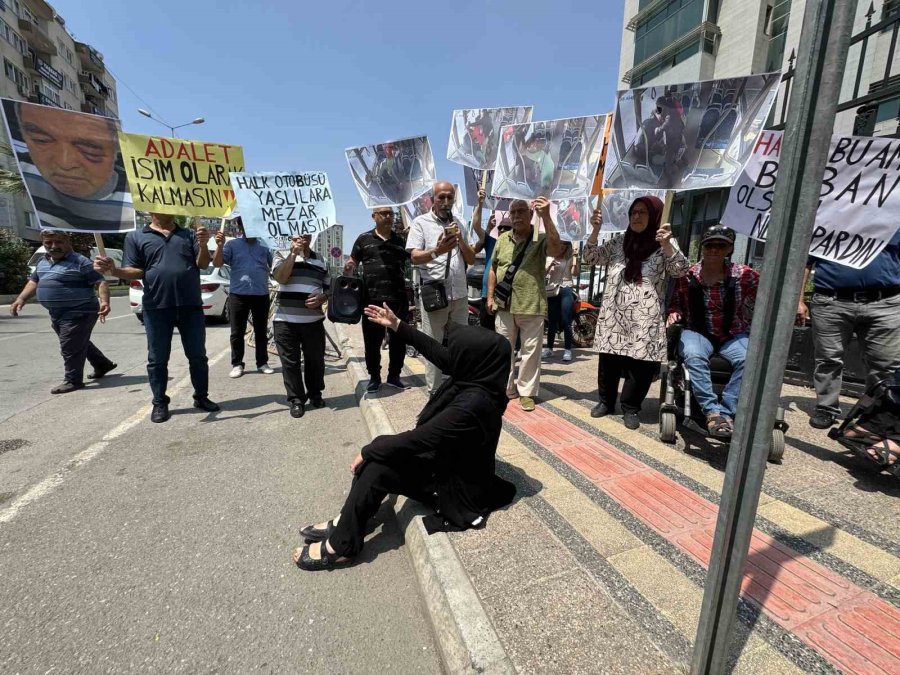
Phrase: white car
(214, 286)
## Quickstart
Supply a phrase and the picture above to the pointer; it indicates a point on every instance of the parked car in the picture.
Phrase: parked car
(214, 286)
(114, 253)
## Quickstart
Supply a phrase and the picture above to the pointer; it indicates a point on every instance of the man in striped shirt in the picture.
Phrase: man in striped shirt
(298, 323)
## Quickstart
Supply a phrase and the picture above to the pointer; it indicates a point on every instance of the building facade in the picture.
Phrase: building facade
(44, 64)
(675, 41)
(326, 241)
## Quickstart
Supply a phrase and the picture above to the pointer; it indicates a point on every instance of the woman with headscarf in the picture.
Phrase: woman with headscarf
(446, 462)
(631, 327)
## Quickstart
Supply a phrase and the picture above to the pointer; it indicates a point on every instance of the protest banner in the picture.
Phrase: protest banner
(687, 136)
(572, 219)
(392, 173)
(180, 177)
(276, 206)
(474, 178)
(71, 166)
(475, 134)
(556, 159)
(859, 210)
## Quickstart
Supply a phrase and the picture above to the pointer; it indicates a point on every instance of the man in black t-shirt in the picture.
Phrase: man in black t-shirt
(383, 257)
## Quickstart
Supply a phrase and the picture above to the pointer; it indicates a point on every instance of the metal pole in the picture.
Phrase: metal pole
(824, 43)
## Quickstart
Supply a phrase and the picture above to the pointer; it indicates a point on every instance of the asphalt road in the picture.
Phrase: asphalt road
(128, 546)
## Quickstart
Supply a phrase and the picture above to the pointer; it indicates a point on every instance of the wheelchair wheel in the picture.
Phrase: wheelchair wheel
(667, 423)
(776, 451)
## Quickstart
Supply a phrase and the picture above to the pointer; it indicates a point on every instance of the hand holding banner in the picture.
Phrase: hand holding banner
(276, 206)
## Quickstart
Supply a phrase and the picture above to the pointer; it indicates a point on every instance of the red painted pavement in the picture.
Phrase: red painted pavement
(850, 627)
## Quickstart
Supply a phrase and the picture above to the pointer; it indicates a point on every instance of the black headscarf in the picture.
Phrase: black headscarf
(638, 246)
(478, 358)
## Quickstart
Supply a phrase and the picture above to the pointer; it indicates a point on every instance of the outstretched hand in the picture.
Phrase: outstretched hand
(383, 316)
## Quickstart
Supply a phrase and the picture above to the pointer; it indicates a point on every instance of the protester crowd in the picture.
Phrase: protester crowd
(474, 372)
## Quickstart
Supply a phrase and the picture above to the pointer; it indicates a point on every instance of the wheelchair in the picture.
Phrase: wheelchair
(678, 407)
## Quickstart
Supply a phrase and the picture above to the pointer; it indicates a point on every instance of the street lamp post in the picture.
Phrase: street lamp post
(196, 120)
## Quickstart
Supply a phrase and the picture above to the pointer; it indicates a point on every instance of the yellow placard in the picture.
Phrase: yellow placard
(181, 177)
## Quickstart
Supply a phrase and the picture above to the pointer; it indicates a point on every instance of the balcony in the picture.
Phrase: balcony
(37, 37)
(89, 83)
(91, 59)
(41, 10)
(93, 109)
(42, 99)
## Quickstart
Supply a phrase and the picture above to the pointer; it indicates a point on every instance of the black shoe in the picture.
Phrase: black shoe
(395, 381)
(631, 421)
(97, 374)
(326, 562)
(821, 419)
(65, 388)
(311, 533)
(160, 413)
(373, 386)
(317, 402)
(599, 410)
(206, 405)
(297, 409)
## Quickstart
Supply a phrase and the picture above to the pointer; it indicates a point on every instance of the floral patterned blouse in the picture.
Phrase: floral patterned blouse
(632, 318)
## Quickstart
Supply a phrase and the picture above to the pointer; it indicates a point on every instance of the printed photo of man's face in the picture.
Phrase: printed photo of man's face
(76, 154)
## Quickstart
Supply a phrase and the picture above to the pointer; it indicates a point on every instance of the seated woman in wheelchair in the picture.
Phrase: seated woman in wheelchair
(715, 303)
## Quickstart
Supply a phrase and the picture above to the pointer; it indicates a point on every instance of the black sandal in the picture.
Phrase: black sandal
(328, 561)
(312, 534)
(883, 449)
(717, 426)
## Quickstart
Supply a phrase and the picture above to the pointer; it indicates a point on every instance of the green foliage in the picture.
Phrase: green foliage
(14, 256)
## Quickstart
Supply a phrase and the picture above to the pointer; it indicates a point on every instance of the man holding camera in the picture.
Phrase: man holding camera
(516, 292)
(441, 253)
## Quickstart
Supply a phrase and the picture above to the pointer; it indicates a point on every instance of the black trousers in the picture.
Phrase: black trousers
(373, 336)
(414, 478)
(485, 319)
(638, 377)
(74, 331)
(301, 344)
(241, 306)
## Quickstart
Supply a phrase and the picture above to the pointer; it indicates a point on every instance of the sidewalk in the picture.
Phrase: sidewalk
(600, 563)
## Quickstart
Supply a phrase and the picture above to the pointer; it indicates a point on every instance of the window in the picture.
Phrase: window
(69, 84)
(890, 9)
(13, 38)
(47, 94)
(16, 75)
(777, 16)
(681, 55)
(665, 26)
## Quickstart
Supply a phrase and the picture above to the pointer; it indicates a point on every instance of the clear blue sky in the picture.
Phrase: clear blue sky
(295, 83)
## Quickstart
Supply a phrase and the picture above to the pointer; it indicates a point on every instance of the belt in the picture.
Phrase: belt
(871, 295)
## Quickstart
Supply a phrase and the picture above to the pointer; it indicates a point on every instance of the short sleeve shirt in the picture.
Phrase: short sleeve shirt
(250, 263)
(529, 295)
(423, 234)
(383, 264)
(882, 272)
(171, 275)
(67, 285)
(309, 276)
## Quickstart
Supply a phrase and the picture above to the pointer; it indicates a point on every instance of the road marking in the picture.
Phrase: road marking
(47, 332)
(50, 483)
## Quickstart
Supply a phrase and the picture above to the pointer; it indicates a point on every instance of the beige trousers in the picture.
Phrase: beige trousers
(530, 330)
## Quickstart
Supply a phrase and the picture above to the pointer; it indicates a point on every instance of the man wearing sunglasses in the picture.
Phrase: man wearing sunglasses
(715, 301)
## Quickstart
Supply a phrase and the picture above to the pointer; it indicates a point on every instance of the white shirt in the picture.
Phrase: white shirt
(423, 235)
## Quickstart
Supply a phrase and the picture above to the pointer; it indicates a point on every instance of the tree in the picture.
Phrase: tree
(14, 257)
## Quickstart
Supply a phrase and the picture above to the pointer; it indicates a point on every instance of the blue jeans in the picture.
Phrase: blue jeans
(559, 311)
(160, 324)
(696, 350)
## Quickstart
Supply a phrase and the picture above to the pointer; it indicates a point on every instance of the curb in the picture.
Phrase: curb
(464, 633)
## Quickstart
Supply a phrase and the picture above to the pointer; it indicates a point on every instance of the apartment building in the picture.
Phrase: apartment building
(43, 63)
(673, 41)
(327, 240)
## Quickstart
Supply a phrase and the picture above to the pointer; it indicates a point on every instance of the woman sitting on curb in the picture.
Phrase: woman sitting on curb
(446, 462)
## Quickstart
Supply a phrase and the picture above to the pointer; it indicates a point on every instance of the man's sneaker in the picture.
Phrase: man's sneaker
(373, 386)
(265, 369)
(546, 354)
(527, 403)
(600, 410)
(395, 381)
(97, 374)
(821, 419)
(236, 372)
(206, 405)
(317, 402)
(297, 409)
(567, 356)
(65, 388)
(631, 421)
(160, 413)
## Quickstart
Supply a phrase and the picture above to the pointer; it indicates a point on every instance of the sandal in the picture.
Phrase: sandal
(327, 561)
(881, 453)
(717, 426)
(312, 534)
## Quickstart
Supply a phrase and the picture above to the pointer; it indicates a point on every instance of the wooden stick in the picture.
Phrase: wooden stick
(484, 175)
(667, 206)
(535, 226)
(98, 241)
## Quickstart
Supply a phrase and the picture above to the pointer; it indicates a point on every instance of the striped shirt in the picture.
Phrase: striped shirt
(67, 285)
(309, 277)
